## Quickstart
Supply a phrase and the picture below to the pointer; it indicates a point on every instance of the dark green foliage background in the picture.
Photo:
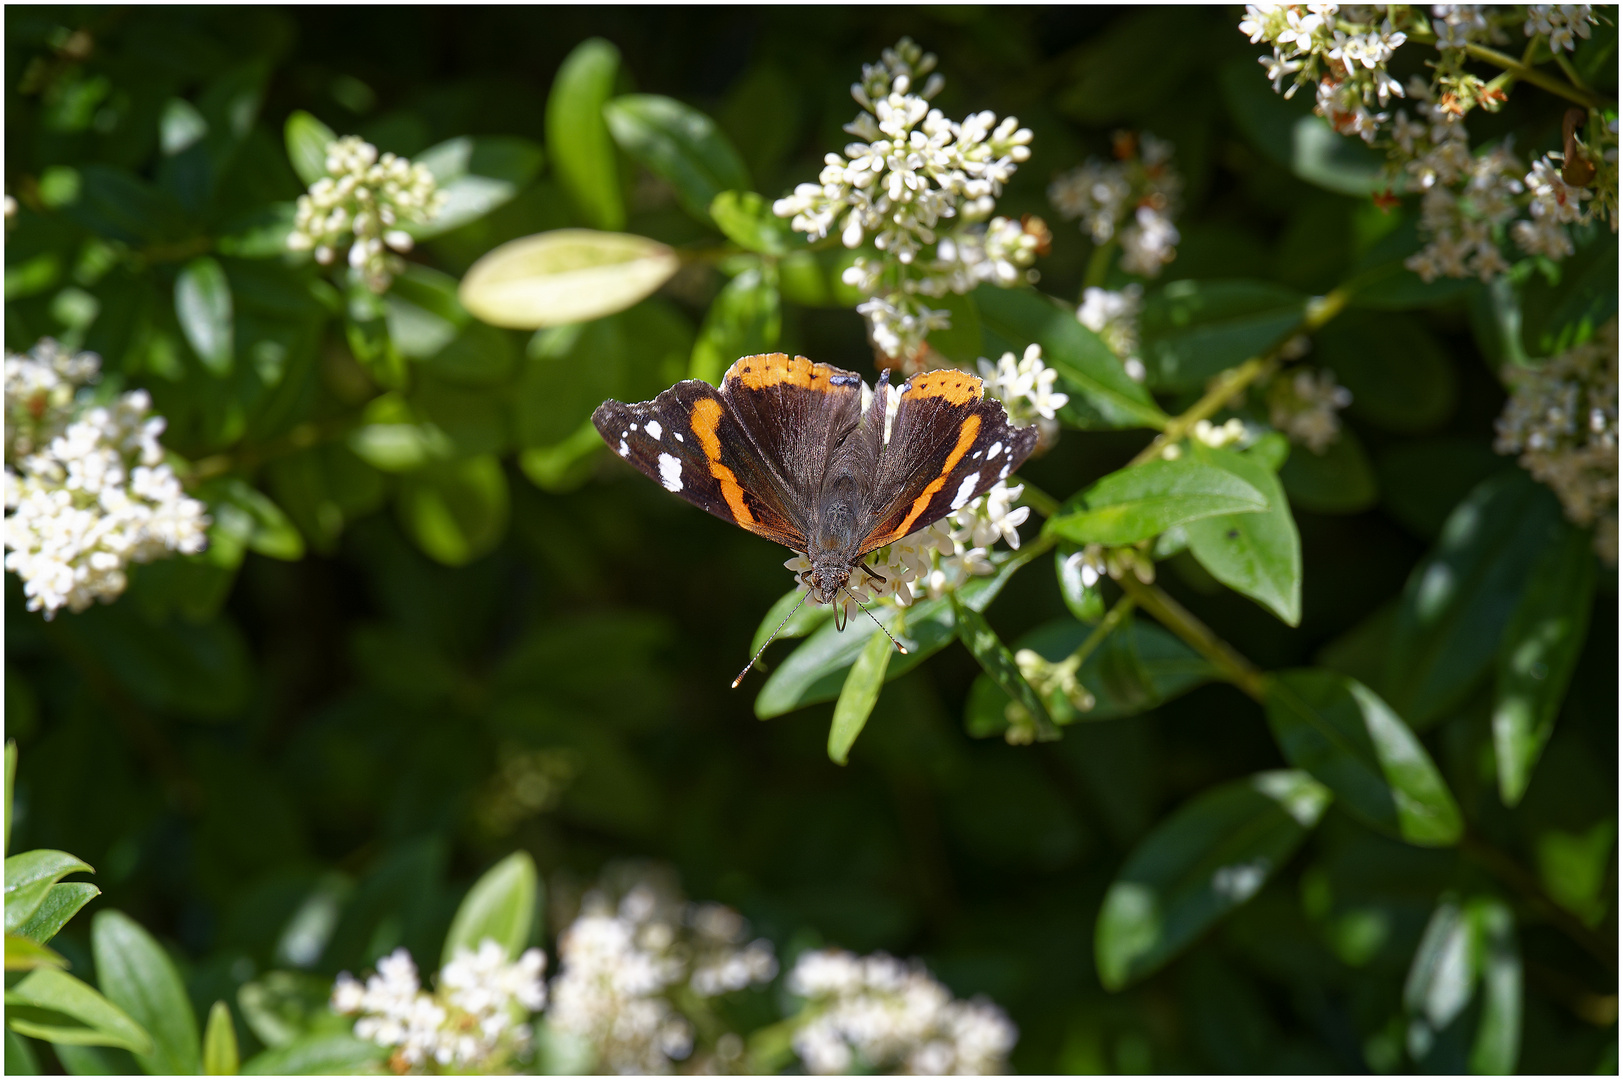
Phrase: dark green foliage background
(340, 714)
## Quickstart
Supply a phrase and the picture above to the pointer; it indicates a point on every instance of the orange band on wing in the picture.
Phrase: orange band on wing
(957, 387)
(778, 369)
(704, 419)
(966, 439)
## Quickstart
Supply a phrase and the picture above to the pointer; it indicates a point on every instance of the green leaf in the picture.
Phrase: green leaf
(423, 312)
(578, 141)
(1136, 668)
(25, 954)
(1537, 655)
(1340, 731)
(745, 319)
(1467, 947)
(858, 696)
(564, 276)
(802, 618)
(999, 664)
(29, 877)
(1142, 501)
(500, 907)
(679, 144)
(1212, 855)
(61, 903)
(136, 975)
(1400, 377)
(1338, 481)
(746, 219)
(477, 174)
(962, 341)
(115, 204)
(1460, 597)
(220, 1057)
(319, 1055)
(307, 141)
(52, 1005)
(20, 1057)
(1287, 133)
(247, 516)
(284, 1007)
(566, 464)
(1259, 555)
(1498, 1037)
(1102, 393)
(1192, 330)
(1569, 312)
(203, 306)
(456, 511)
(11, 779)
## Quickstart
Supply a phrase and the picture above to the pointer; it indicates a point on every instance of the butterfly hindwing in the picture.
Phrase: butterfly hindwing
(689, 441)
(949, 444)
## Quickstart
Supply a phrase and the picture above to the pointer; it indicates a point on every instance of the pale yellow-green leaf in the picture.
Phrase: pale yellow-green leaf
(565, 276)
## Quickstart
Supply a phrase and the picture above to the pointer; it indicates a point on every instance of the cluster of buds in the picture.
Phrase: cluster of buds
(363, 201)
(1131, 200)
(917, 181)
(1303, 404)
(1113, 315)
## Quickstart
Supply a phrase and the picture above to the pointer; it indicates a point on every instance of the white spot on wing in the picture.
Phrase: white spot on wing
(654, 430)
(996, 449)
(965, 490)
(1004, 475)
(633, 427)
(670, 472)
(678, 435)
(624, 449)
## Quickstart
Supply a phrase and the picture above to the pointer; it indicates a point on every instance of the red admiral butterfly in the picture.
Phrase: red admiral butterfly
(785, 450)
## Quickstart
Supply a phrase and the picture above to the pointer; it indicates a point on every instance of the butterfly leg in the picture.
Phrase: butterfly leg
(866, 569)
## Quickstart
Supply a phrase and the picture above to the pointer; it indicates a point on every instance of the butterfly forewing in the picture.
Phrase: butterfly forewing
(796, 412)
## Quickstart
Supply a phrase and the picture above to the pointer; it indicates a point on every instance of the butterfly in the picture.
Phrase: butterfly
(786, 449)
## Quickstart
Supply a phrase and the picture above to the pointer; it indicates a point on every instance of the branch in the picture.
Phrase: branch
(1540, 79)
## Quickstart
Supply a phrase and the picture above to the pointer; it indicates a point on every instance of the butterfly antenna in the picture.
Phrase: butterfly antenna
(899, 646)
(769, 639)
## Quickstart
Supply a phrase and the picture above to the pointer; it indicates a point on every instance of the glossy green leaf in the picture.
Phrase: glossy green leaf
(29, 877)
(20, 1057)
(477, 175)
(501, 907)
(1338, 481)
(1102, 393)
(858, 696)
(564, 276)
(1287, 133)
(578, 141)
(11, 778)
(456, 511)
(1568, 312)
(746, 219)
(566, 464)
(137, 975)
(203, 306)
(61, 903)
(999, 664)
(961, 342)
(53, 1005)
(1381, 280)
(1137, 503)
(1499, 1031)
(26, 954)
(743, 320)
(1461, 596)
(220, 1056)
(1340, 731)
(1133, 670)
(679, 144)
(802, 618)
(307, 140)
(1467, 948)
(1399, 376)
(1536, 657)
(1259, 555)
(318, 1055)
(1212, 855)
(1192, 330)
(248, 517)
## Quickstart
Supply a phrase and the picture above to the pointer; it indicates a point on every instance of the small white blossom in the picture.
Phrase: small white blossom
(1303, 405)
(362, 202)
(1562, 24)
(87, 490)
(1026, 386)
(1132, 198)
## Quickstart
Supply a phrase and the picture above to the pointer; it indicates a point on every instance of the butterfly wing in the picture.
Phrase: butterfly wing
(797, 413)
(949, 444)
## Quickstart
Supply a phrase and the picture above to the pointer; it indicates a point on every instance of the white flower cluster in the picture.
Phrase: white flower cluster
(1303, 404)
(477, 1020)
(1132, 200)
(1560, 23)
(1340, 49)
(363, 201)
(619, 966)
(914, 170)
(1113, 315)
(1463, 212)
(87, 491)
(1025, 386)
(1562, 419)
(1554, 204)
(875, 1014)
(1459, 25)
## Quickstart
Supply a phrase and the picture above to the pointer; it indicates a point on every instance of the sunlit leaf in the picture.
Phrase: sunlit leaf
(501, 907)
(679, 144)
(1259, 555)
(858, 696)
(203, 306)
(578, 141)
(53, 1005)
(1137, 503)
(137, 975)
(565, 276)
(220, 1057)
(307, 141)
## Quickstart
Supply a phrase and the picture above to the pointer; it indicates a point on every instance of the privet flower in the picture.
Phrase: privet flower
(1562, 420)
(1132, 200)
(86, 488)
(622, 965)
(916, 185)
(876, 1014)
(1114, 317)
(1559, 23)
(1340, 50)
(477, 1020)
(1303, 404)
(362, 203)
(1025, 386)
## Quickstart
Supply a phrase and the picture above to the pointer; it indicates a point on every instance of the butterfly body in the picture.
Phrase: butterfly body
(785, 449)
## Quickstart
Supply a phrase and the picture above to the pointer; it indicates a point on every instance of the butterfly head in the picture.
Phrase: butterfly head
(827, 578)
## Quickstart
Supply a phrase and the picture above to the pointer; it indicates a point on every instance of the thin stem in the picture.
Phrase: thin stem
(1197, 635)
(1098, 265)
(1117, 615)
(1540, 79)
(1571, 72)
(1036, 498)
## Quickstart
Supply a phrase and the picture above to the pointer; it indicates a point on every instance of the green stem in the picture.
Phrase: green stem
(1571, 72)
(1117, 615)
(1035, 497)
(1198, 636)
(1542, 80)
(1099, 265)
